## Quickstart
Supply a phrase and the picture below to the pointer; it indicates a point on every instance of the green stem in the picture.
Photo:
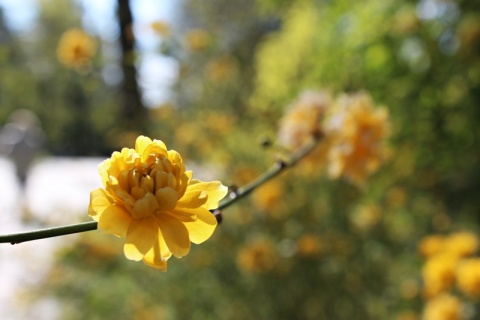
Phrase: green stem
(15, 238)
(276, 169)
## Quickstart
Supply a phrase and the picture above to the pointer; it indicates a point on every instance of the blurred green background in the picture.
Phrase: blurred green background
(302, 247)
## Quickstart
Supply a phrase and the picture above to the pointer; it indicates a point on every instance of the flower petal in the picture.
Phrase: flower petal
(103, 170)
(203, 228)
(158, 255)
(145, 207)
(141, 235)
(141, 143)
(183, 183)
(99, 201)
(193, 198)
(155, 147)
(150, 261)
(114, 220)
(216, 192)
(181, 214)
(167, 198)
(176, 235)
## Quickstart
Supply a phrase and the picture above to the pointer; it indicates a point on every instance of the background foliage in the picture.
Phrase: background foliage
(303, 246)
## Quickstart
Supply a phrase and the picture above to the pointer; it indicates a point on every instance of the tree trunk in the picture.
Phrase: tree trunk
(133, 111)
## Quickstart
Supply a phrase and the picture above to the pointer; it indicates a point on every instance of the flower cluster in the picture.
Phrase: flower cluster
(443, 307)
(351, 128)
(359, 130)
(76, 49)
(303, 119)
(151, 200)
(449, 262)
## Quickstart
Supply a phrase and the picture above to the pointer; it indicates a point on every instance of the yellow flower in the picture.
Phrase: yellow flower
(303, 119)
(438, 274)
(462, 243)
(151, 200)
(160, 27)
(468, 277)
(431, 245)
(76, 49)
(303, 122)
(444, 307)
(360, 130)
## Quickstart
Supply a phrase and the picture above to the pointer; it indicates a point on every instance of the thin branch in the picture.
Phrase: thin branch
(271, 173)
(276, 169)
(15, 238)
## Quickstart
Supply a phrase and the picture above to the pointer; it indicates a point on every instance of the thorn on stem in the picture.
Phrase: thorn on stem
(218, 216)
(233, 191)
(266, 143)
(282, 163)
(317, 135)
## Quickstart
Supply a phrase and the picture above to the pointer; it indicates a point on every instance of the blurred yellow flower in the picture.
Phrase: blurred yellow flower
(310, 245)
(360, 130)
(257, 257)
(160, 27)
(197, 39)
(303, 119)
(444, 307)
(302, 122)
(366, 216)
(431, 245)
(468, 277)
(76, 49)
(438, 274)
(462, 243)
(151, 200)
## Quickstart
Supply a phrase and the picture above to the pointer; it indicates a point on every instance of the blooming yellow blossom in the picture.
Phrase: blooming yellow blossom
(154, 203)
(462, 243)
(360, 130)
(439, 274)
(431, 245)
(444, 307)
(468, 277)
(302, 122)
(76, 49)
(303, 119)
